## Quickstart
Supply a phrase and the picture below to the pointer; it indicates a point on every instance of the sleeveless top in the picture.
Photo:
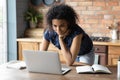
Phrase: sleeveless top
(86, 43)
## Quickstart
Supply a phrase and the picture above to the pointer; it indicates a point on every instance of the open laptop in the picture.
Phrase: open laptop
(44, 62)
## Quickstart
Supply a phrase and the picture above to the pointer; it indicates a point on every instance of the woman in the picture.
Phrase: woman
(65, 34)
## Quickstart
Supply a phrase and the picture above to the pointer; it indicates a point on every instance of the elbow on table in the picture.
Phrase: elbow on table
(69, 63)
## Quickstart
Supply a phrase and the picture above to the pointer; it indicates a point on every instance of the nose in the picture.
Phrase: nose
(58, 29)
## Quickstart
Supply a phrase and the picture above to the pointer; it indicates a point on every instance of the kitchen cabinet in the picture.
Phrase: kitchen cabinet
(101, 51)
(34, 44)
(27, 46)
(114, 53)
(108, 51)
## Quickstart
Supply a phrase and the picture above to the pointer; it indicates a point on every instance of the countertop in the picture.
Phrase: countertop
(112, 42)
(29, 39)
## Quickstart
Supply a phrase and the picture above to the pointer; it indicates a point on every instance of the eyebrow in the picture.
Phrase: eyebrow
(59, 25)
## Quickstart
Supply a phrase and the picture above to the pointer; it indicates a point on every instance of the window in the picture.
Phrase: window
(3, 32)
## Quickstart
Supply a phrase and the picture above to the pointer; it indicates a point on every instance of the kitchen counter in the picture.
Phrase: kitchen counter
(30, 39)
(113, 48)
(113, 42)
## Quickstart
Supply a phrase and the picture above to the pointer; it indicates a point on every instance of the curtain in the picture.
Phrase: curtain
(3, 32)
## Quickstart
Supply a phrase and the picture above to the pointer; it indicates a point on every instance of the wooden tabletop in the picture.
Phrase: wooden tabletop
(15, 74)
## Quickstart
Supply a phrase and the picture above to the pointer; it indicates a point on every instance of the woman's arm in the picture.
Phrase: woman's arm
(44, 45)
(70, 55)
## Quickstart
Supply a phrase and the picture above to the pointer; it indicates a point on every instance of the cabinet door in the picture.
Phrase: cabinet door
(27, 46)
(112, 59)
(114, 50)
(113, 54)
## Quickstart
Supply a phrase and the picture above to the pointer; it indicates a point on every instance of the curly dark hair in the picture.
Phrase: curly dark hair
(61, 11)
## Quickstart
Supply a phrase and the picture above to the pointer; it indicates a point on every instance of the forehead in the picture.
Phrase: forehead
(59, 21)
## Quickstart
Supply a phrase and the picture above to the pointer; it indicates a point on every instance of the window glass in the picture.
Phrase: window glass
(3, 32)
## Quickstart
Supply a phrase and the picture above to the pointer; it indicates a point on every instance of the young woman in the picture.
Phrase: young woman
(65, 34)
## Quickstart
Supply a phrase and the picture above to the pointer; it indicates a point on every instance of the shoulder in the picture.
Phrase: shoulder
(76, 31)
(78, 28)
(78, 37)
(49, 34)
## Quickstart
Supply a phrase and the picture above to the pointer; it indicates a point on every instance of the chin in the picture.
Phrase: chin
(60, 34)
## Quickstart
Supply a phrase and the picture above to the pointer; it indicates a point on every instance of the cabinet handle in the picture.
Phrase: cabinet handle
(97, 49)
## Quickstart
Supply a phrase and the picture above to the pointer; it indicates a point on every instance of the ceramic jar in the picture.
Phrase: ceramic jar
(114, 34)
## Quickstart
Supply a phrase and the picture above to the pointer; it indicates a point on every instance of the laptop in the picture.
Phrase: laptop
(44, 62)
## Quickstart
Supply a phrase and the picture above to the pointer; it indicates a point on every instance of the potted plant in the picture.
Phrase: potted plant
(33, 17)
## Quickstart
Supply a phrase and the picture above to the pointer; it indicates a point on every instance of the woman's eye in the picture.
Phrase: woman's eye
(54, 26)
(62, 26)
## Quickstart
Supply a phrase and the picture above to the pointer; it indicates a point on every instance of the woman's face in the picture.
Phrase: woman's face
(60, 26)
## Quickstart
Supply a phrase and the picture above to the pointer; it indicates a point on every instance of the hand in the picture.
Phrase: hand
(61, 36)
(65, 34)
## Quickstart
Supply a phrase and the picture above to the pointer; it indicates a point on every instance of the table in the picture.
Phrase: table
(15, 74)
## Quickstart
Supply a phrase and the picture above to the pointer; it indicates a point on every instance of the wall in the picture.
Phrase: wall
(16, 25)
(96, 15)
(11, 30)
(21, 7)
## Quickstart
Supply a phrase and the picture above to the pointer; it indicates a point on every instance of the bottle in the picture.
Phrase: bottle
(118, 68)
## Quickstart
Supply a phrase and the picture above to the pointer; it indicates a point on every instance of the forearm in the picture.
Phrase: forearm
(66, 52)
(44, 45)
